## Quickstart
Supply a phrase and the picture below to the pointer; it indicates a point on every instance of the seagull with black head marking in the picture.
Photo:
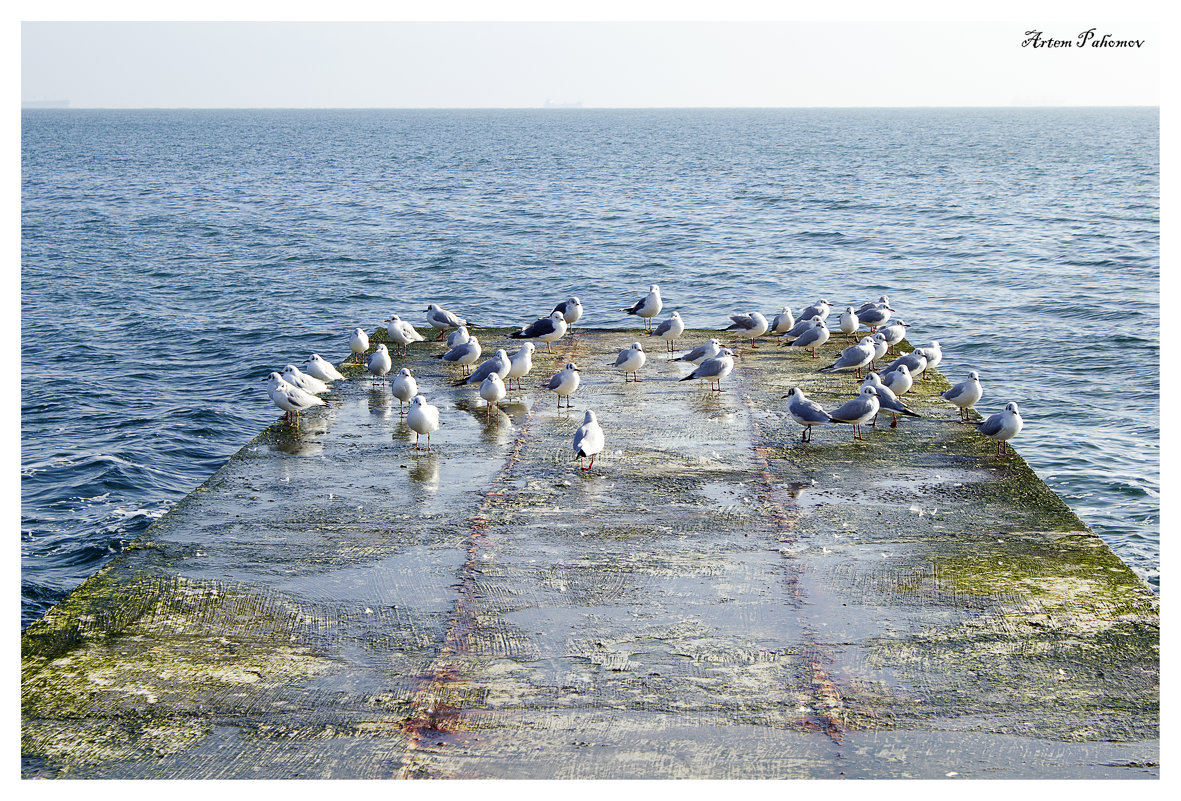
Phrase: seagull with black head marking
(442, 320)
(806, 412)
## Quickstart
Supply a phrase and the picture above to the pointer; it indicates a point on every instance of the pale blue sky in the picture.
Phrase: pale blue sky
(517, 64)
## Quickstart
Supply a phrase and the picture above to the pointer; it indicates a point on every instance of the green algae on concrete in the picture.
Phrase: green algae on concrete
(714, 599)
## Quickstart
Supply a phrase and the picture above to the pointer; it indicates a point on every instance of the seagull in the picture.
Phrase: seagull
(887, 400)
(547, 329)
(520, 363)
(880, 348)
(647, 308)
(464, 355)
(1003, 427)
(751, 325)
(714, 370)
(965, 394)
(857, 411)
(849, 322)
(894, 333)
(492, 390)
(498, 364)
(782, 322)
(442, 319)
(423, 419)
(402, 332)
(821, 307)
(875, 316)
(852, 357)
(404, 388)
(934, 355)
(711, 348)
(458, 336)
(293, 376)
(291, 399)
(571, 310)
(883, 300)
(899, 381)
(588, 439)
(630, 360)
(806, 412)
(914, 361)
(359, 343)
(814, 337)
(564, 382)
(797, 330)
(380, 362)
(670, 329)
(321, 368)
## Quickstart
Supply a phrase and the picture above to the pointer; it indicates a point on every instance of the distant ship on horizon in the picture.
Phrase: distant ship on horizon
(562, 104)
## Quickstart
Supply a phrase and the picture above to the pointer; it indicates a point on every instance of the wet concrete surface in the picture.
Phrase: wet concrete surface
(714, 599)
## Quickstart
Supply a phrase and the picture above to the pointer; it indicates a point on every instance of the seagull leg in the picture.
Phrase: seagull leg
(894, 422)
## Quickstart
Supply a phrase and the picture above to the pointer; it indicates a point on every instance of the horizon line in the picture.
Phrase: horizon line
(50, 105)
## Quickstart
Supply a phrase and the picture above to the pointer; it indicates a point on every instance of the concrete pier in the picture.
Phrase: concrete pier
(714, 599)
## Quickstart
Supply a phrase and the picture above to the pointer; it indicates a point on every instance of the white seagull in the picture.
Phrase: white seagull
(965, 394)
(464, 355)
(458, 336)
(564, 382)
(806, 412)
(857, 411)
(492, 390)
(571, 310)
(321, 368)
(648, 307)
(547, 329)
(588, 439)
(670, 329)
(442, 319)
(630, 360)
(423, 419)
(853, 357)
(291, 399)
(815, 336)
(1003, 427)
(711, 348)
(380, 362)
(714, 370)
(751, 326)
(402, 332)
(782, 322)
(899, 380)
(498, 364)
(293, 376)
(520, 363)
(358, 343)
(404, 388)
(849, 322)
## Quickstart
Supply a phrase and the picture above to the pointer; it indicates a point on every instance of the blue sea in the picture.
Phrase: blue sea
(171, 259)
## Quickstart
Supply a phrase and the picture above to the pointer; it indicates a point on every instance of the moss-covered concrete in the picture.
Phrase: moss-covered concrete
(714, 599)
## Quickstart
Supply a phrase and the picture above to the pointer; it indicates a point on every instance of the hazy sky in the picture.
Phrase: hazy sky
(599, 64)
